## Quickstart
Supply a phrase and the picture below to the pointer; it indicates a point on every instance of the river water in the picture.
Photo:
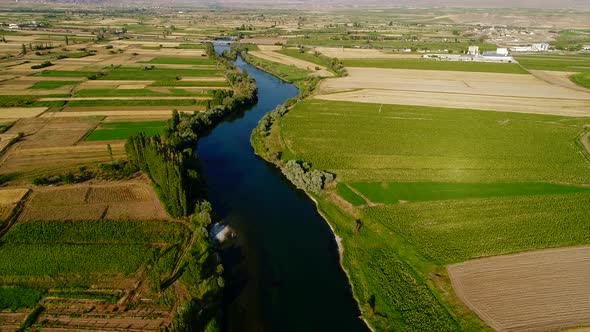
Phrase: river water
(284, 274)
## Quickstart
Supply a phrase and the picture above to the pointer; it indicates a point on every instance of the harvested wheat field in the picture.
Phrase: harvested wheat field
(359, 53)
(40, 161)
(485, 91)
(543, 290)
(9, 198)
(20, 112)
(132, 200)
(288, 60)
(60, 132)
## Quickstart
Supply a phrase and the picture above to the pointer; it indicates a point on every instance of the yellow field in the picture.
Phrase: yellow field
(485, 91)
(134, 200)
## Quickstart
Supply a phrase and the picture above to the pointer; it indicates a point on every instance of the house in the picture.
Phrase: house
(473, 50)
(541, 47)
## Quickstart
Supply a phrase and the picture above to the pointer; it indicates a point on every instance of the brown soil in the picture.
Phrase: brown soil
(542, 290)
(128, 200)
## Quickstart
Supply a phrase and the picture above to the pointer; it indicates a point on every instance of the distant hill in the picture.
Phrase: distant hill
(540, 4)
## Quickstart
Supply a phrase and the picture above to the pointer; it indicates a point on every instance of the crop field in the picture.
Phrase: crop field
(131, 201)
(569, 63)
(138, 73)
(505, 68)
(52, 84)
(122, 130)
(582, 79)
(287, 72)
(137, 92)
(357, 53)
(554, 282)
(286, 58)
(429, 145)
(403, 192)
(426, 183)
(182, 61)
(67, 73)
(486, 91)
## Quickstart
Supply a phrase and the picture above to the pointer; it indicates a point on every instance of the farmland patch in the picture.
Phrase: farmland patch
(541, 290)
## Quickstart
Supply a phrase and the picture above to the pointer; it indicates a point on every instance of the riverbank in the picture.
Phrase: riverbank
(271, 148)
(272, 279)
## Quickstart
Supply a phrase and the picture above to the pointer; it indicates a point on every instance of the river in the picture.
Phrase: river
(284, 274)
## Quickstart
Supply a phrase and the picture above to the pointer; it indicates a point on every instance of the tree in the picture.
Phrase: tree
(110, 150)
(24, 49)
(67, 41)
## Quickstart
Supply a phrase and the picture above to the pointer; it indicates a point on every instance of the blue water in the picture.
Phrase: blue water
(284, 274)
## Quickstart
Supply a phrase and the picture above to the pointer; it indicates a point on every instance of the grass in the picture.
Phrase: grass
(16, 101)
(350, 196)
(484, 67)
(310, 57)
(18, 297)
(286, 72)
(122, 130)
(156, 74)
(124, 103)
(66, 73)
(394, 192)
(48, 85)
(477, 184)
(182, 61)
(582, 79)
(570, 63)
(181, 83)
(135, 93)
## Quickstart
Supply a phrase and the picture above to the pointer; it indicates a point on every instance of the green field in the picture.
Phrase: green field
(396, 192)
(82, 248)
(582, 79)
(52, 84)
(122, 130)
(484, 67)
(571, 63)
(310, 57)
(15, 298)
(136, 93)
(203, 61)
(124, 103)
(157, 74)
(178, 83)
(286, 72)
(437, 180)
(66, 73)
(427, 144)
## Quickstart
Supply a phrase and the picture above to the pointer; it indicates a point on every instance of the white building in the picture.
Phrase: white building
(13, 26)
(473, 50)
(502, 51)
(521, 49)
(542, 47)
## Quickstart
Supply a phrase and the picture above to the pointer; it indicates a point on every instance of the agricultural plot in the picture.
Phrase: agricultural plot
(289, 60)
(122, 130)
(357, 53)
(139, 73)
(128, 201)
(486, 91)
(421, 64)
(541, 291)
(204, 61)
(568, 63)
(425, 183)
